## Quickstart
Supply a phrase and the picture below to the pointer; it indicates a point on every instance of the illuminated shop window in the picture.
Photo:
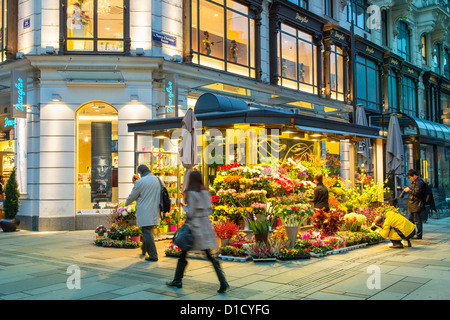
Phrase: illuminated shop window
(97, 155)
(297, 63)
(223, 36)
(95, 26)
(4, 30)
(336, 73)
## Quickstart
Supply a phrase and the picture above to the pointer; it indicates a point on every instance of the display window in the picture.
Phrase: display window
(97, 156)
(223, 36)
(95, 25)
(297, 65)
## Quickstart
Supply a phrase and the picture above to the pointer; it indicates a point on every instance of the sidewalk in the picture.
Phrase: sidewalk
(34, 266)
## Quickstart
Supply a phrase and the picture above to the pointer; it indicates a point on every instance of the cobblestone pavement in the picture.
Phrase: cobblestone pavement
(42, 266)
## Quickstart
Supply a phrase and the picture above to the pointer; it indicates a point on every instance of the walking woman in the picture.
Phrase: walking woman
(198, 202)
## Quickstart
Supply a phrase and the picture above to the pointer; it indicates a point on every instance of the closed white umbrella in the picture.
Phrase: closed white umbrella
(395, 163)
(188, 145)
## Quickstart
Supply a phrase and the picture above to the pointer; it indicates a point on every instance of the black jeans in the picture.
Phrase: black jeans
(416, 218)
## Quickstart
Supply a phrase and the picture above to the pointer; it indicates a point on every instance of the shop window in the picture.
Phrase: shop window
(4, 29)
(392, 91)
(336, 73)
(409, 97)
(403, 41)
(95, 26)
(223, 36)
(297, 65)
(97, 156)
(301, 3)
(368, 83)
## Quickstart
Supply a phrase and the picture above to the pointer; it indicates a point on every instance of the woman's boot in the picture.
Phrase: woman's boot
(179, 273)
(221, 275)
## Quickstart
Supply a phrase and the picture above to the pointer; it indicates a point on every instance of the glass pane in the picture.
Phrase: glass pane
(108, 46)
(80, 21)
(110, 19)
(289, 55)
(80, 45)
(211, 29)
(237, 38)
(305, 66)
(194, 26)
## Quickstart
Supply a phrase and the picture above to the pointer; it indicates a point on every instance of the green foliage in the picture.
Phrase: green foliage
(12, 195)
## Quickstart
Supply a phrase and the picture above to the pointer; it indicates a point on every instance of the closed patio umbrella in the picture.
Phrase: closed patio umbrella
(395, 163)
(188, 145)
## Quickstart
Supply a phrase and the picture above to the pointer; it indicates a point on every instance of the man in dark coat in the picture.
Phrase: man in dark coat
(415, 200)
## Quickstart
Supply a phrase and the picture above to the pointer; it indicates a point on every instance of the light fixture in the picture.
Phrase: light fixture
(56, 97)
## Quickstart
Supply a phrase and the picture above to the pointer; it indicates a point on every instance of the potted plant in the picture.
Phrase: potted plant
(225, 231)
(11, 204)
(100, 231)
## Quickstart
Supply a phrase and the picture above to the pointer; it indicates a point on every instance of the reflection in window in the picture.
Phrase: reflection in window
(222, 36)
(403, 41)
(95, 25)
(368, 86)
(408, 101)
(297, 60)
(4, 29)
(336, 73)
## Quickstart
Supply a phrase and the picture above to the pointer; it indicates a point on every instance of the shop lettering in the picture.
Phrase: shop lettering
(170, 95)
(20, 94)
(10, 123)
(191, 310)
(301, 19)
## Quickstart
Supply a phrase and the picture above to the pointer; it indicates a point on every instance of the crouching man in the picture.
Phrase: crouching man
(395, 227)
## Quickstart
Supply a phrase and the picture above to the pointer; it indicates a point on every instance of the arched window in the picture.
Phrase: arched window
(97, 155)
(98, 26)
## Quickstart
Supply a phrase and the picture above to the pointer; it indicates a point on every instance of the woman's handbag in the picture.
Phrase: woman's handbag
(183, 238)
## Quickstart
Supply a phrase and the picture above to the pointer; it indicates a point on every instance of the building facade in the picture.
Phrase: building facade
(94, 66)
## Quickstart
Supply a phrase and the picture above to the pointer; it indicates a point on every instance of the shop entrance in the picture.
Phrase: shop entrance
(97, 157)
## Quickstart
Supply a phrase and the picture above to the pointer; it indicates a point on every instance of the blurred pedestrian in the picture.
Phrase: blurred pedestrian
(147, 194)
(198, 211)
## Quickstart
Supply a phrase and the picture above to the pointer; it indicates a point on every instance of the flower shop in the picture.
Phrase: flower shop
(259, 162)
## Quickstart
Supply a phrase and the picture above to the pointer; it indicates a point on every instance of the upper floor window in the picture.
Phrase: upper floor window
(437, 58)
(223, 36)
(297, 60)
(336, 73)
(424, 49)
(403, 41)
(368, 84)
(95, 26)
(4, 29)
(301, 3)
(358, 8)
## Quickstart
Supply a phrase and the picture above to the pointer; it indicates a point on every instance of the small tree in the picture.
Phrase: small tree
(12, 194)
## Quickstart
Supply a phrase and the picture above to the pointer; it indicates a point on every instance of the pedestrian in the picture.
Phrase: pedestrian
(395, 227)
(147, 194)
(320, 199)
(198, 211)
(416, 204)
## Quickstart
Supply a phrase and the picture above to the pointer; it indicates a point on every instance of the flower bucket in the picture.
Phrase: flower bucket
(291, 233)
(262, 237)
(172, 228)
(135, 238)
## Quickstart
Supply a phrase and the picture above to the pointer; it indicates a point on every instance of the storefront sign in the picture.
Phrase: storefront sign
(18, 94)
(171, 94)
(163, 38)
